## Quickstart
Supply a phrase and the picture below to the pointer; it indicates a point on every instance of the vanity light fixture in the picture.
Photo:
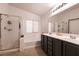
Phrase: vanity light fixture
(61, 7)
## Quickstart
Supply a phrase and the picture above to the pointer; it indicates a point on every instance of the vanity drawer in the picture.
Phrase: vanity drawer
(50, 43)
(45, 37)
(49, 38)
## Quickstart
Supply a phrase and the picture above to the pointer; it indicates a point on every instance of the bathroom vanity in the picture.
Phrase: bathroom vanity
(59, 45)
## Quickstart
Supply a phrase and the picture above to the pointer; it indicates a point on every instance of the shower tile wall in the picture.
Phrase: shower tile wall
(9, 32)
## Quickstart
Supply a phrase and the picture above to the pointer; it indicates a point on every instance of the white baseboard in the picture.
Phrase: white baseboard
(11, 50)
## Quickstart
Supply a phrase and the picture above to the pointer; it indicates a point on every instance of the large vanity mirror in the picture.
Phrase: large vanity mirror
(73, 26)
(70, 26)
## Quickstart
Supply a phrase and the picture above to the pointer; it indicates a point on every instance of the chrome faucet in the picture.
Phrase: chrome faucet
(72, 37)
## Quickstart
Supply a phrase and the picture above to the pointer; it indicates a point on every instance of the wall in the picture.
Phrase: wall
(44, 23)
(24, 15)
(59, 19)
(62, 18)
(45, 19)
(3, 8)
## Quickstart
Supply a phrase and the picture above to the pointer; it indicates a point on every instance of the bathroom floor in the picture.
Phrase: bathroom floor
(36, 51)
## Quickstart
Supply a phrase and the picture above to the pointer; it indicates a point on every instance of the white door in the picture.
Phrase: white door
(9, 32)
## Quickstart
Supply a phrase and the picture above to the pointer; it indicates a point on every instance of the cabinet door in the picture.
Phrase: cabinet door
(50, 46)
(57, 47)
(42, 42)
(70, 49)
(45, 43)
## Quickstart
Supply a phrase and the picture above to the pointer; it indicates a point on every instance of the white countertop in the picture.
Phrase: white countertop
(64, 37)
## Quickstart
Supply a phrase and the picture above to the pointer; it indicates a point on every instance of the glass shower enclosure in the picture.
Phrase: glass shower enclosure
(9, 32)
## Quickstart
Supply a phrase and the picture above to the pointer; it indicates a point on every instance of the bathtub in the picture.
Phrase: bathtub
(30, 40)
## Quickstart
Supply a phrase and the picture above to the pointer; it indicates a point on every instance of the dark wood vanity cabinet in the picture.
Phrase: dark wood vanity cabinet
(70, 49)
(50, 46)
(56, 47)
(44, 43)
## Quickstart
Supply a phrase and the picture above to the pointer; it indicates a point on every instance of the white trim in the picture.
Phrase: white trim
(7, 51)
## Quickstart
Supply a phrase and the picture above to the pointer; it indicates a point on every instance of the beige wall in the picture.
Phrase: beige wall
(3, 8)
(45, 19)
(44, 23)
(65, 16)
(24, 15)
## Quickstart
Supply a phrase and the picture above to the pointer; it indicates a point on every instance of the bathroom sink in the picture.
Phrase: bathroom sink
(70, 38)
(60, 34)
(65, 36)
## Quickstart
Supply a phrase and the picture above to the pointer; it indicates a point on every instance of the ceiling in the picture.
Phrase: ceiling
(37, 8)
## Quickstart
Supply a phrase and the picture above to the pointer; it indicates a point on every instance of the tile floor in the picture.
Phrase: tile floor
(36, 51)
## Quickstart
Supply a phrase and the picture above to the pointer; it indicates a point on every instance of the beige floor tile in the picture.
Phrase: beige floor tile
(36, 51)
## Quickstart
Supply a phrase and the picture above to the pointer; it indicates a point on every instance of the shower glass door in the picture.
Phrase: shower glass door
(9, 32)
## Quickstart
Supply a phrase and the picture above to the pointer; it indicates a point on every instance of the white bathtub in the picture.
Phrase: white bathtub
(30, 40)
(32, 37)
